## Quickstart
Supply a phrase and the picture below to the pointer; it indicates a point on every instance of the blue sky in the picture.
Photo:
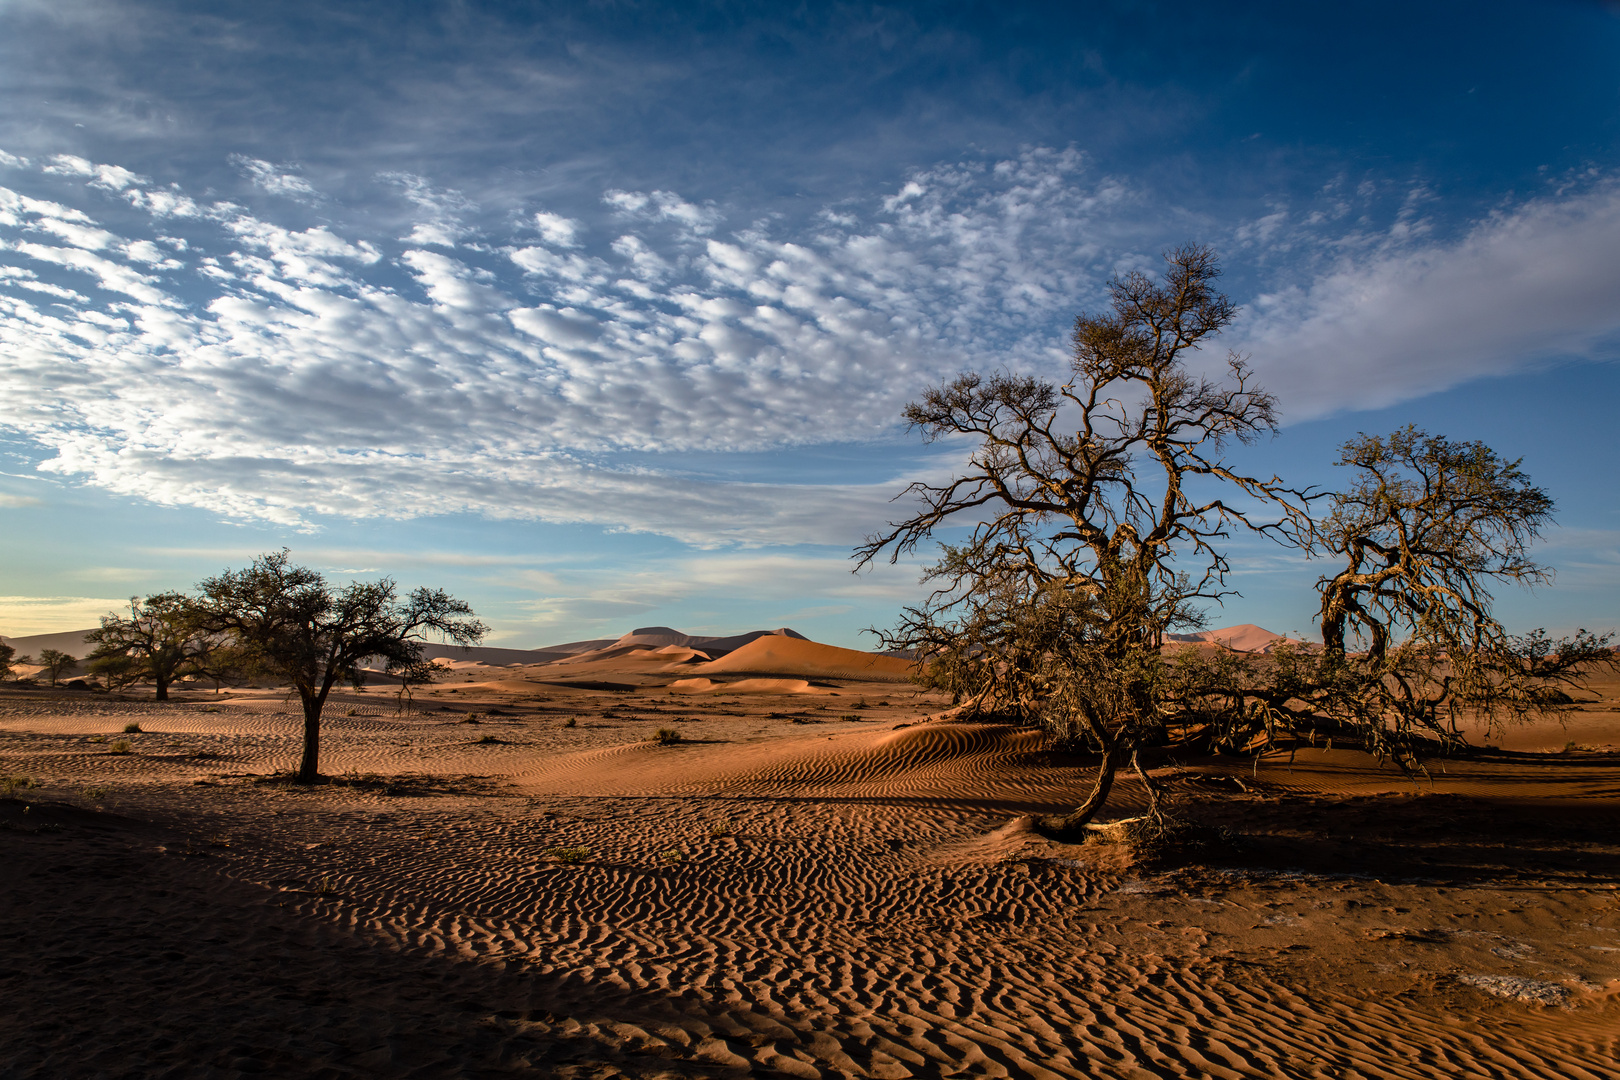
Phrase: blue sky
(603, 315)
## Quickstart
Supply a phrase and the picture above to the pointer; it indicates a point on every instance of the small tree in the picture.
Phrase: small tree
(56, 663)
(288, 622)
(8, 654)
(163, 640)
(1096, 507)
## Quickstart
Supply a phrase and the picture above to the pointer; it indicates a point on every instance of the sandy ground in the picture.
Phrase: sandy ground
(813, 881)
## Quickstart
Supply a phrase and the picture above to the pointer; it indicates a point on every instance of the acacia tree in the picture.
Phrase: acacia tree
(8, 655)
(1424, 529)
(163, 640)
(1095, 510)
(286, 621)
(55, 662)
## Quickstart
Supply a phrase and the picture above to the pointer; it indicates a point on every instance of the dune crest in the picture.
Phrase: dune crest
(780, 655)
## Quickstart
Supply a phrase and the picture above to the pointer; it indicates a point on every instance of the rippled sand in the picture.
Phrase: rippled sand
(806, 884)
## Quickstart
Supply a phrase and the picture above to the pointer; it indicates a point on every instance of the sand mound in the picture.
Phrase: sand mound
(775, 655)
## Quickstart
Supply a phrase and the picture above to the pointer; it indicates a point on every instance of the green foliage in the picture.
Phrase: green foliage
(8, 656)
(10, 785)
(568, 854)
(132, 729)
(122, 746)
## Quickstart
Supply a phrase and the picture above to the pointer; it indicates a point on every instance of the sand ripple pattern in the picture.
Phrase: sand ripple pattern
(824, 940)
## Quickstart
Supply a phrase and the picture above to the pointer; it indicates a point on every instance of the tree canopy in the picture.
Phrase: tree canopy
(288, 622)
(163, 639)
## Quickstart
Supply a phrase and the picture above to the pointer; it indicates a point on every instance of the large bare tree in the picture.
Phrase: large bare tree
(286, 621)
(1095, 512)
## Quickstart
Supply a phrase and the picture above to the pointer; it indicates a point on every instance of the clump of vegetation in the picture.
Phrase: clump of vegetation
(122, 746)
(13, 784)
(97, 739)
(95, 794)
(572, 721)
(487, 740)
(132, 729)
(568, 854)
(673, 855)
(720, 828)
(850, 716)
(664, 736)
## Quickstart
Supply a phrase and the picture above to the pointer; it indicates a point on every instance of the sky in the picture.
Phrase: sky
(603, 315)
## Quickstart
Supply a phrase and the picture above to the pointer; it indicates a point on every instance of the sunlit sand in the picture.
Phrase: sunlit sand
(812, 876)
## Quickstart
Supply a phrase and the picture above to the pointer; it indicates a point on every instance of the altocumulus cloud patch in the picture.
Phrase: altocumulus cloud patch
(266, 365)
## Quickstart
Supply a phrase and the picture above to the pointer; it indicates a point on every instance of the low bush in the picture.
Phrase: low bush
(568, 854)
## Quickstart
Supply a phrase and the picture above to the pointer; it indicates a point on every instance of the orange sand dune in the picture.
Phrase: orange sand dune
(798, 656)
(634, 654)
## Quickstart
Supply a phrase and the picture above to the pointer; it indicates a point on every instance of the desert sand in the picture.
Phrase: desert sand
(818, 878)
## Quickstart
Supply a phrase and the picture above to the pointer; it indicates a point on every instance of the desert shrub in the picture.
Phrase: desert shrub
(850, 716)
(672, 856)
(13, 784)
(665, 736)
(568, 854)
(122, 746)
(95, 794)
(486, 740)
(572, 721)
(132, 729)
(720, 828)
(97, 739)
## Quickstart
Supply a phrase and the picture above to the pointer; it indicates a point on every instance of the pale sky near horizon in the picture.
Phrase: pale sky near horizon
(602, 315)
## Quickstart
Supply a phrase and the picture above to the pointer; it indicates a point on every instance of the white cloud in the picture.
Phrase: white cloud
(442, 210)
(275, 179)
(557, 230)
(288, 374)
(1410, 316)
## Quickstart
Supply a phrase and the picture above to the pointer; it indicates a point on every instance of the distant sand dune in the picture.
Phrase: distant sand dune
(797, 656)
